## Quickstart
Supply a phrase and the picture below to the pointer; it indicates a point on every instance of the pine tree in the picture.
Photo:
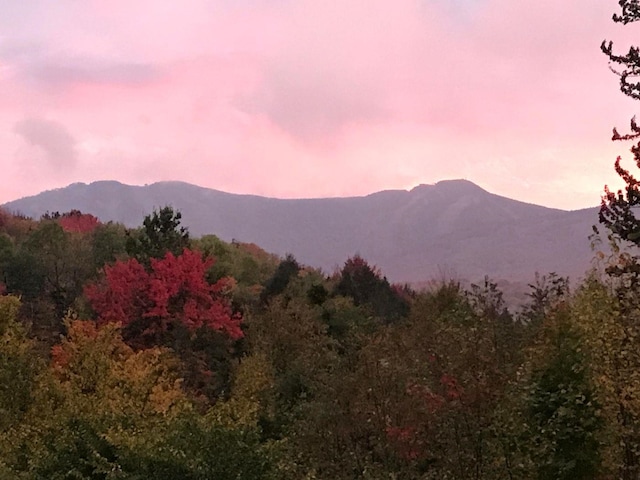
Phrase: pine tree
(617, 208)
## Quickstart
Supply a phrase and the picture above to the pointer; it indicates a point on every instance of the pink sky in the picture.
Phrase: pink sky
(313, 98)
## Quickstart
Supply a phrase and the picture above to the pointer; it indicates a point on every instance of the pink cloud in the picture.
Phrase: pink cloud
(315, 98)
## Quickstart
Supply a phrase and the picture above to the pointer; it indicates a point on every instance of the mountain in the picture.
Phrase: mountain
(452, 228)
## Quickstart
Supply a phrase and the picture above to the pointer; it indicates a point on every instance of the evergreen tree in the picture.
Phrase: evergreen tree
(617, 209)
(161, 233)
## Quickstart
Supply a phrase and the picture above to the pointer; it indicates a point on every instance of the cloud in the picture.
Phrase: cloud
(70, 71)
(52, 138)
(36, 64)
(334, 64)
(467, 66)
(313, 106)
(502, 92)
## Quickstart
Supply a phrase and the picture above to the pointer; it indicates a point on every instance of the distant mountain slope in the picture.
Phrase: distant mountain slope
(453, 226)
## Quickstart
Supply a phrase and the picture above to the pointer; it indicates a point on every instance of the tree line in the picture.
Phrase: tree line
(145, 353)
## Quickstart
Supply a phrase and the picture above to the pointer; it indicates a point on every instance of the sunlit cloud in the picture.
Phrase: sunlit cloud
(308, 98)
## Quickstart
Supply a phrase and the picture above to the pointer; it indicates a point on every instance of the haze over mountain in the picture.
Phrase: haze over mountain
(453, 226)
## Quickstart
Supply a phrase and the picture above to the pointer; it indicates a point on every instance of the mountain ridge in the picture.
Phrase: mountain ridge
(412, 235)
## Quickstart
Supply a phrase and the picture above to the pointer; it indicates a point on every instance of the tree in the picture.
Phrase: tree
(105, 411)
(97, 400)
(101, 375)
(173, 293)
(618, 215)
(18, 365)
(160, 233)
(617, 208)
(108, 243)
(287, 269)
(545, 293)
(246, 263)
(564, 419)
(49, 268)
(366, 286)
(609, 328)
(173, 305)
(74, 221)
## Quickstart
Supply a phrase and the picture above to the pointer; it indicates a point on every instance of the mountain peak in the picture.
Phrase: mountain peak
(455, 187)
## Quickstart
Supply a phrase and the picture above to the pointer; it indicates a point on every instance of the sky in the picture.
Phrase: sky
(309, 98)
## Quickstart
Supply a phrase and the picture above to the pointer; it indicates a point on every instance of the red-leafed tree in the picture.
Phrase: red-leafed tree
(171, 304)
(77, 222)
(172, 294)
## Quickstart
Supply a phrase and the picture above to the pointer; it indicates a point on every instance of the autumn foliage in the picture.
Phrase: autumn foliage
(173, 292)
(339, 377)
(78, 222)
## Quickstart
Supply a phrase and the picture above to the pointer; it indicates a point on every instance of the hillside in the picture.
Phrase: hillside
(452, 227)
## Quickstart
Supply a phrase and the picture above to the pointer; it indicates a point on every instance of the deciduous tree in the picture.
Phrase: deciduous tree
(173, 305)
(173, 293)
(78, 222)
(564, 420)
(18, 365)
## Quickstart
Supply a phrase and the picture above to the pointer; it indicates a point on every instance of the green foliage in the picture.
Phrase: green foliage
(23, 274)
(18, 365)
(48, 267)
(98, 398)
(108, 244)
(196, 449)
(249, 265)
(77, 451)
(292, 335)
(618, 214)
(564, 411)
(474, 356)
(346, 323)
(287, 269)
(610, 324)
(160, 233)
(367, 287)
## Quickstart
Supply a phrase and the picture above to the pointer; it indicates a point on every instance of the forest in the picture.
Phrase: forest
(145, 353)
